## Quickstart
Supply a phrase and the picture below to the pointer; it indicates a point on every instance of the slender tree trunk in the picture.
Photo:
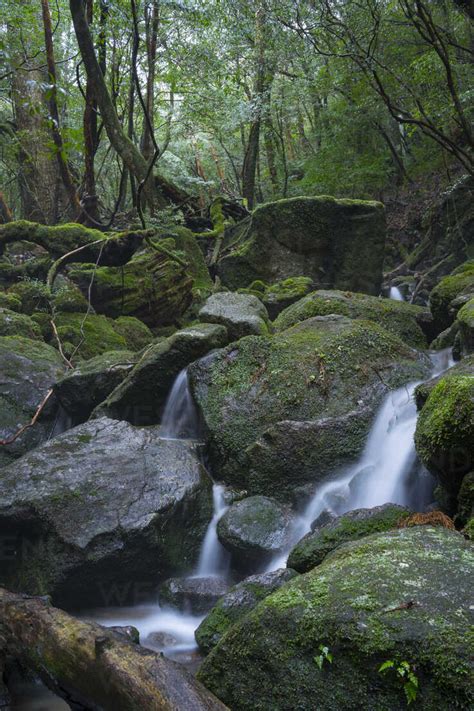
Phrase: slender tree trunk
(129, 153)
(54, 113)
(270, 153)
(151, 42)
(251, 152)
(90, 122)
(5, 212)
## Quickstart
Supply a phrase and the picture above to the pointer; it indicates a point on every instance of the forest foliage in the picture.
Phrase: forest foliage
(253, 100)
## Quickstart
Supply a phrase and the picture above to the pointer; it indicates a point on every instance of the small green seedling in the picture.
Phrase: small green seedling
(325, 656)
(405, 673)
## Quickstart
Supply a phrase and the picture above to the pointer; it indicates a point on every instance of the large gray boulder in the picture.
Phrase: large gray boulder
(254, 529)
(101, 513)
(283, 412)
(401, 596)
(235, 604)
(28, 369)
(336, 243)
(241, 314)
(141, 396)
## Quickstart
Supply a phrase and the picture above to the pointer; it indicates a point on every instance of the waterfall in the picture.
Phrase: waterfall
(387, 471)
(180, 419)
(214, 559)
(396, 294)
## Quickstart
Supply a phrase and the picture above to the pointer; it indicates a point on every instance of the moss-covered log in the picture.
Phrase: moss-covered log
(114, 249)
(94, 666)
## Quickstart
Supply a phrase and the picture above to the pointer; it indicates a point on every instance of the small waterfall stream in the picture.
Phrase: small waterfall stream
(387, 471)
(214, 560)
(180, 419)
(167, 629)
(395, 294)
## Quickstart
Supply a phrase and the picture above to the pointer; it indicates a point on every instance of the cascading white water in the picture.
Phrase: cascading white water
(383, 473)
(396, 294)
(214, 559)
(164, 628)
(179, 419)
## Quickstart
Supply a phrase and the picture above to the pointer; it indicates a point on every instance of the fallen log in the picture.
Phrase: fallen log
(91, 665)
(111, 250)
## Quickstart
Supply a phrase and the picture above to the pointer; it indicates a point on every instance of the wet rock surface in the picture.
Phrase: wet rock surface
(100, 510)
(254, 529)
(196, 595)
(28, 369)
(265, 402)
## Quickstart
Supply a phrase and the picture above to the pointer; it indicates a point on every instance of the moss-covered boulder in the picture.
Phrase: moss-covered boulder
(241, 314)
(465, 511)
(235, 604)
(465, 321)
(186, 243)
(22, 260)
(314, 547)
(101, 508)
(397, 317)
(58, 240)
(87, 335)
(67, 297)
(152, 287)
(401, 596)
(445, 430)
(15, 324)
(277, 297)
(422, 391)
(32, 294)
(336, 243)
(137, 335)
(143, 393)
(255, 529)
(282, 412)
(28, 369)
(10, 302)
(459, 283)
(91, 381)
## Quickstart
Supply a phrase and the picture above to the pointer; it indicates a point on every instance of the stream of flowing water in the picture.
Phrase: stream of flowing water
(396, 294)
(161, 628)
(387, 471)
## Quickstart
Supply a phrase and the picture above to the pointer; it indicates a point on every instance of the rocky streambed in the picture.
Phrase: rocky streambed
(237, 478)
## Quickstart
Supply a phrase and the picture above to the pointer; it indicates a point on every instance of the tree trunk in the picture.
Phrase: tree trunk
(66, 178)
(91, 137)
(5, 212)
(122, 144)
(90, 665)
(270, 153)
(38, 170)
(249, 167)
(151, 46)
